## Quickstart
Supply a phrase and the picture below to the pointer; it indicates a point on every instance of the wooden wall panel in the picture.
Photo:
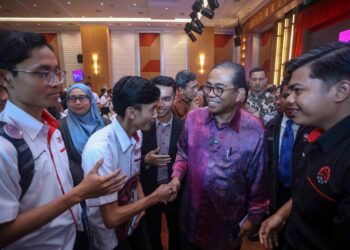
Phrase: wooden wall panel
(223, 48)
(150, 54)
(205, 45)
(96, 39)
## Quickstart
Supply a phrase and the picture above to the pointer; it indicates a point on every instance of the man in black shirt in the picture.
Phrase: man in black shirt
(319, 213)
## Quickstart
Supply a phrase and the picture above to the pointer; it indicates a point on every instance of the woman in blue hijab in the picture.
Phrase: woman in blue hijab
(82, 120)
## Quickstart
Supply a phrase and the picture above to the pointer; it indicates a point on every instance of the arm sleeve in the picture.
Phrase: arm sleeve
(181, 161)
(92, 153)
(258, 190)
(341, 223)
(10, 189)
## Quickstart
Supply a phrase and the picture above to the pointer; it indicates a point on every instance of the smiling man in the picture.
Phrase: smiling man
(37, 197)
(159, 152)
(320, 90)
(116, 219)
(223, 156)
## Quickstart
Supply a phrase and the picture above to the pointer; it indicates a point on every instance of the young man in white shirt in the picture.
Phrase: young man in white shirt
(44, 216)
(116, 218)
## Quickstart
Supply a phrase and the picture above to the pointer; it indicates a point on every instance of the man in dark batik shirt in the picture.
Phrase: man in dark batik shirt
(258, 97)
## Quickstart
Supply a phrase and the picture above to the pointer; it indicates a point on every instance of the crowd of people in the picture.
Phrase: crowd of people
(221, 160)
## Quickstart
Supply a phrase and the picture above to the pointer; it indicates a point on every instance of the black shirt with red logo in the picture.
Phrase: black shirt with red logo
(320, 217)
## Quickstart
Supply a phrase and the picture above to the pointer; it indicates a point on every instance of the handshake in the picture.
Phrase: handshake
(167, 192)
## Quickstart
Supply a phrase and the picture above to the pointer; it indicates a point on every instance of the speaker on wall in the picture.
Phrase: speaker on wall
(80, 58)
(237, 41)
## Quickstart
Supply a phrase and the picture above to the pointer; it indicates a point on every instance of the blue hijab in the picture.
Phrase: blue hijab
(81, 127)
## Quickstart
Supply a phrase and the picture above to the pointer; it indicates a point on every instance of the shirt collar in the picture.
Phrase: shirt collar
(335, 135)
(123, 138)
(165, 124)
(234, 123)
(25, 121)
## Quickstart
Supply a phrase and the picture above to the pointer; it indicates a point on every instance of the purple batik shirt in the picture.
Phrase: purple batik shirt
(226, 177)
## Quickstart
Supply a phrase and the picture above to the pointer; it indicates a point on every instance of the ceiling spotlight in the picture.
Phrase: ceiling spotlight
(197, 5)
(195, 19)
(196, 29)
(188, 30)
(213, 4)
(207, 13)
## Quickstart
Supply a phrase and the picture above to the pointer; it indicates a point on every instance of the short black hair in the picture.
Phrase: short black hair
(183, 77)
(256, 69)
(17, 46)
(238, 76)
(165, 81)
(330, 63)
(133, 91)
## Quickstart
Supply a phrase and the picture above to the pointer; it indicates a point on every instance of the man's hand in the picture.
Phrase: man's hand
(269, 229)
(94, 185)
(162, 193)
(153, 158)
(138, 219)
(175, 186)
(196, 103)
(247, 228)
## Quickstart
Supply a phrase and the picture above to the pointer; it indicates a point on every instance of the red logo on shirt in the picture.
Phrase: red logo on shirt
(324, 175)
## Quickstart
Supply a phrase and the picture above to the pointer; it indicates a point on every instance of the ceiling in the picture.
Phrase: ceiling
(170, 14)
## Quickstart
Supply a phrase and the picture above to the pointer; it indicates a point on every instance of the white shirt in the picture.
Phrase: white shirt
(118, 150)
(97, 98)
(49, 177)
(295, 128)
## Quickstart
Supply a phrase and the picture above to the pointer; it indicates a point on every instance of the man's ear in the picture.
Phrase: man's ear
(130, 112)
(5, 78)
(342, 90)
(181, 90)
(240, 95)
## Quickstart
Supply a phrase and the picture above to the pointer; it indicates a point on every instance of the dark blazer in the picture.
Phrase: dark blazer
(73, 155)
(279, 194)
(148, 174)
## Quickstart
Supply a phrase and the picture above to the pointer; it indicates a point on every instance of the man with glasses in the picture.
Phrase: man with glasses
(223, 155)
(38, 209)
(258, 97)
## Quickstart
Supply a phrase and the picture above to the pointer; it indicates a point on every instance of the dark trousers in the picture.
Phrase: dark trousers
(188, 245)
(139, 240)
(153, 220)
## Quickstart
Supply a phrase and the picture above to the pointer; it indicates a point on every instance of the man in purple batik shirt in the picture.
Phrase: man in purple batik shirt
(222, 153)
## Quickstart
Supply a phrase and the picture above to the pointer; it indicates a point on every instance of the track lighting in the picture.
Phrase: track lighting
(207, 13)
(213, 4)
(188, 30)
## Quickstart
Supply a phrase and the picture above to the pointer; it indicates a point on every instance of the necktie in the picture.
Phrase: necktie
(285, 168)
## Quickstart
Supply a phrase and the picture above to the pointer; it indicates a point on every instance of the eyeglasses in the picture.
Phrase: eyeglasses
(74, 98)
(216, 90)
(49, 77)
